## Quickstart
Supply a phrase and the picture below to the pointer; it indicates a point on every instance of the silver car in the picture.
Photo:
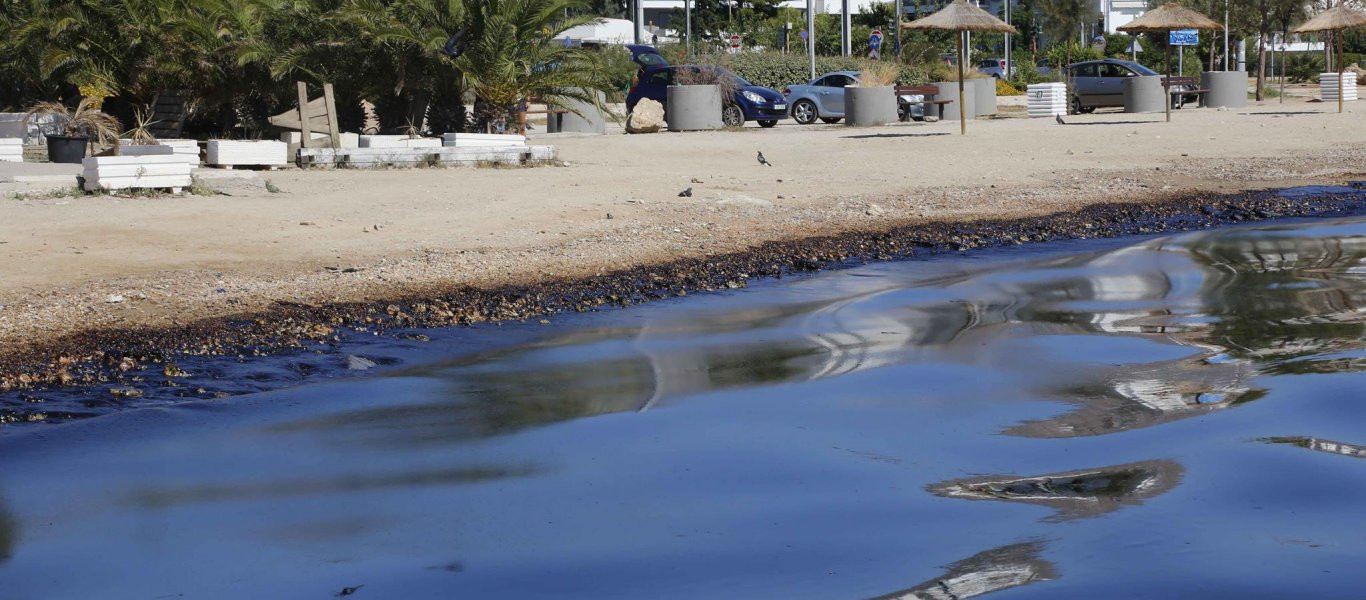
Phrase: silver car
(1100, 83)
(823, 98)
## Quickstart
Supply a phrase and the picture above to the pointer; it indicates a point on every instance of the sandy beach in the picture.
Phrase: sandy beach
(76, 265)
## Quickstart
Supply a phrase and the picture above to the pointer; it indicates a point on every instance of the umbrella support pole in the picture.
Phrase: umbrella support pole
(1168, 87)
(1340, 69)
(962, 102)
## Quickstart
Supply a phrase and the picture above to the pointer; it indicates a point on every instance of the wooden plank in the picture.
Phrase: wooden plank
(333, 129)
(304, 113)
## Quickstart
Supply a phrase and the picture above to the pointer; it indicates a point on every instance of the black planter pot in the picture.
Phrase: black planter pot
(66, 149)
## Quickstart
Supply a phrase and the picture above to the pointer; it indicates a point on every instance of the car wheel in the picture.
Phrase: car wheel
(732, 116)
(1075, 106)
(804, 112)
(767, 123)
(831, 120)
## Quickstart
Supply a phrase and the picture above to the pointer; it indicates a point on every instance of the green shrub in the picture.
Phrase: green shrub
(776, 70)
(1303, 67)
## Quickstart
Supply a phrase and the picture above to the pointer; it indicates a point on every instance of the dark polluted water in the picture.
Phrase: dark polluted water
(1156, 417)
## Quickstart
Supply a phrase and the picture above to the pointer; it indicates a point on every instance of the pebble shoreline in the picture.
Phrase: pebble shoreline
(116, 356)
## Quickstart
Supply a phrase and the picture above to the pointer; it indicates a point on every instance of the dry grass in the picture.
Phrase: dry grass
(879, 74)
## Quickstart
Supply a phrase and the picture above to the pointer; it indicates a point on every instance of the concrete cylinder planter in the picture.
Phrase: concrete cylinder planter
(583, 117)
(1144, 94)
(869, 106)
(693, 107)
(1226, 88)
(984, 96)
(948, 90)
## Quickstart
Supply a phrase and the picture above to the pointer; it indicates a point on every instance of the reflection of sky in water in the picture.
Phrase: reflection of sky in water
(815, 437)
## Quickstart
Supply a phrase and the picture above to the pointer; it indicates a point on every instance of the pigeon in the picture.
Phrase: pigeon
(685, 193)
(764, 161)
(1059, 119)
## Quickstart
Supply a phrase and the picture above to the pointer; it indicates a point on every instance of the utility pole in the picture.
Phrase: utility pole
(1006, 75)
(1226, 2)
(846, 33)
(687, 24)
(899, 8)
(639, 21)
(811, 34)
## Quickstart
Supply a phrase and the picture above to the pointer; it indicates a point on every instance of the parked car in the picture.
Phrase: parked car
(823, 98)
(1100, 83)
(749, 102)
(995, 67)
(646, 56)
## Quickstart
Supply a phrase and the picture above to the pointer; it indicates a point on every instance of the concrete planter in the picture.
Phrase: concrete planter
(984, 96)
(589, 118)
(869, 106)
(693, 107)
(12, 149)
(1328, 87)
(398, 141)
(481, 140)
(948, 90)
(1144, 94)
(1226, 88)
(187, 150)
(242, 153)
(157, 167)
(1047, 99)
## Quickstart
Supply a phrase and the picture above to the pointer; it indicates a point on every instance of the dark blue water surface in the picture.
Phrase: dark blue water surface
(1182, 416)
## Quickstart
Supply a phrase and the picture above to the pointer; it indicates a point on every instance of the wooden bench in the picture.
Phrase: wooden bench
(1170, 82)
(921, 90)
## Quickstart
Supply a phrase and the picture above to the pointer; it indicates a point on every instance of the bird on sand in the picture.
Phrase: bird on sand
(1058, 118)
(762, 160)
(685, 193)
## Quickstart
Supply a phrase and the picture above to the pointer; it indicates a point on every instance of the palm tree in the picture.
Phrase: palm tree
(513, 53)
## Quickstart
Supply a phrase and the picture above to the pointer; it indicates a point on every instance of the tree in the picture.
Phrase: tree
(513, 53)
(1064, 20)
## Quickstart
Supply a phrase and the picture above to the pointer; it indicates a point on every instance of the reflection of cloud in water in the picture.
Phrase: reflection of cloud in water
(354, 482)
(991, 571)
(1328, 446)
(1074, 494)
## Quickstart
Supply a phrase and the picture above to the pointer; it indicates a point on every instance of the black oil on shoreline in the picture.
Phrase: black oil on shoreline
(124, 367)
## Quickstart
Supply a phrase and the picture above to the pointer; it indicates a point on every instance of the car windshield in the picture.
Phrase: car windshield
(738, 79)
(650, 59)
(1142, 70)
(987, 64)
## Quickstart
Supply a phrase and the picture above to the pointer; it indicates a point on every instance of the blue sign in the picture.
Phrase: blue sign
(1183, 37)
(875, 40)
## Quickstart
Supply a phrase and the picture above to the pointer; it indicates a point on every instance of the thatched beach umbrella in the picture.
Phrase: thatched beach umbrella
(1169, 17)
(961, 17)
(1335, 19)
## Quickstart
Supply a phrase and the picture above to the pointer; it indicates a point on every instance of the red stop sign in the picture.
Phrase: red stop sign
(734, 40)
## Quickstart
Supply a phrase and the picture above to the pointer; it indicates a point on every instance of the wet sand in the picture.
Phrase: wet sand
(109, 277)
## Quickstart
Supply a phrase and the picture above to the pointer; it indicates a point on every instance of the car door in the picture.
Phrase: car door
(1084, 78)
(1110, 84)
(831, 95)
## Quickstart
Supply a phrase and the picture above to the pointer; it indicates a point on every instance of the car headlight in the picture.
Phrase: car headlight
(753, 97)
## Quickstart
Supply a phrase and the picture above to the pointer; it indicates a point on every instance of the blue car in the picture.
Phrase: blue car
(749, 103)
